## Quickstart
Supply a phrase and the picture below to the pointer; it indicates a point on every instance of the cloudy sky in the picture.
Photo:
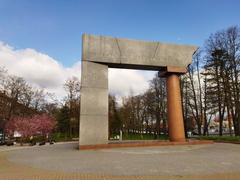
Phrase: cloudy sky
(41, 40)
(43, 71)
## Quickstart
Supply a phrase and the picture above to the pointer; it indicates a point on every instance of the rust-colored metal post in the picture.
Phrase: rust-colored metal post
(175, 115)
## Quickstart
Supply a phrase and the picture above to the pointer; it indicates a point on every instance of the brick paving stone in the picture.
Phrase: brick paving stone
(10, 170)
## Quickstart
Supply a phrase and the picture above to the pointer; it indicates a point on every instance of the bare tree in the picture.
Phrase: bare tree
(195, 91)
(222, 54)
(72, 86)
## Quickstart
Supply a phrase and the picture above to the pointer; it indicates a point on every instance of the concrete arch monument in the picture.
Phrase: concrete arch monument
(101, 52)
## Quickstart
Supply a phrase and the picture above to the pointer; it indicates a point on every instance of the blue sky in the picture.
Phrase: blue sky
(54, 27)
(40, 40)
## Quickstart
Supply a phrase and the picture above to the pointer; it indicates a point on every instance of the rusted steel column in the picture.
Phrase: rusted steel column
(175, 115)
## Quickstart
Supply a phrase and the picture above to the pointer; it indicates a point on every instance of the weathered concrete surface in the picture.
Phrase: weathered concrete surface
(94, 104)
(93, 101)
(93, 129)
(116, 52)
(94, 75)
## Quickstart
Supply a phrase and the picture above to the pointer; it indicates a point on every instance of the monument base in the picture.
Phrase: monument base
(126, 144)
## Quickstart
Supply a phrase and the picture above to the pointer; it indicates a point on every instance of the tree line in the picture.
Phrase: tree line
(210, 92)
(22, 102)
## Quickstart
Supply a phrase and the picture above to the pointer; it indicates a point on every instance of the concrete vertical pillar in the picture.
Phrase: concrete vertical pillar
(175, 115)
(94, 104)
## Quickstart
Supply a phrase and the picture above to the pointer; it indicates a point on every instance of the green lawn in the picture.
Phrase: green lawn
(132, 136)
(143, 137)
(221, 138)
(58, 137)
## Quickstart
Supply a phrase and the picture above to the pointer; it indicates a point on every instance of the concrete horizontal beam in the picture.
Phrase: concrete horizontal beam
(116, 52)
(172, 69)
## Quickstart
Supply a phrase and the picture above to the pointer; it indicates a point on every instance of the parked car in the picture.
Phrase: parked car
(42, 143)
(9, 142)
(2, 139)
(33, 143)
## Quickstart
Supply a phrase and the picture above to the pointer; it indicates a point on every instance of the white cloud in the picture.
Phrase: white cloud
(122, 81)
(37, 68)
(43, 71)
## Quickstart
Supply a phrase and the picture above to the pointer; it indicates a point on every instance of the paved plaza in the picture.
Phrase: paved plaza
(64, 161)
